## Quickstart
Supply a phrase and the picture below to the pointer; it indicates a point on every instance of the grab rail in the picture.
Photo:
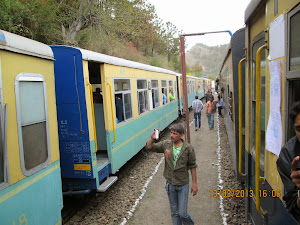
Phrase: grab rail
(240, 116)
(258, 127)
(93, 112)
(112, 114)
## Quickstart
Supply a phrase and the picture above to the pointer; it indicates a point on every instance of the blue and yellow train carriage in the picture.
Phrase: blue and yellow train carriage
(30, 184)
(107, 107)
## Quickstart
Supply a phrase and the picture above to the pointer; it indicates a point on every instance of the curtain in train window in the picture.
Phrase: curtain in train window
(257, 44)
(155, 93)
(142, 95)
(123, 104)
(32, 122)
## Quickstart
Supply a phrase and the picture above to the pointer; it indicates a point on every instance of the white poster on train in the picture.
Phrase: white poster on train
(274, 133)
(276, 36)
(274, 129)
(275, 85)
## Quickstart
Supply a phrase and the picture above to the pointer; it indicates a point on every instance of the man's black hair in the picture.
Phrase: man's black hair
(295, 111)
(178, 128)
(196, 97)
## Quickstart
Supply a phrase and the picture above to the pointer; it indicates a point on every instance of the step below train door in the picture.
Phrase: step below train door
(103, 162)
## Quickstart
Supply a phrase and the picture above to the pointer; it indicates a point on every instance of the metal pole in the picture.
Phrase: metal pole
(184, 89)
(183, 72)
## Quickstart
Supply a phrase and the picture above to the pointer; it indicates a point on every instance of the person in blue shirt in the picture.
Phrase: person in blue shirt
(164, 98)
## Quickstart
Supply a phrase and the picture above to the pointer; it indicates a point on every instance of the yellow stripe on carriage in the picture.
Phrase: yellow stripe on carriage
(28, 183)
(142, 131)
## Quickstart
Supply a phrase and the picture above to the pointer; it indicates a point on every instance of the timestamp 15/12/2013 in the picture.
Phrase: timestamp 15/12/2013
(244, 193)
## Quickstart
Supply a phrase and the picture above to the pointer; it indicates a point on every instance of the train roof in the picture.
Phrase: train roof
(251, 8)
(112, 60)
(15, 43)
(98, 57)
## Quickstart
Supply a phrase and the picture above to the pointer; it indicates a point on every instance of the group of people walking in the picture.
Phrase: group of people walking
(211, 108)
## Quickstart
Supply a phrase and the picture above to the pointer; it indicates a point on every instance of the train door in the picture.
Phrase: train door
(257, 42)
(100, 142)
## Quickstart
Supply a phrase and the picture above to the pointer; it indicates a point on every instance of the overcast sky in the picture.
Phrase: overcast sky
(197, 16)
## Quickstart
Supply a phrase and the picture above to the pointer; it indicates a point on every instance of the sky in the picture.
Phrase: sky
(198, 16)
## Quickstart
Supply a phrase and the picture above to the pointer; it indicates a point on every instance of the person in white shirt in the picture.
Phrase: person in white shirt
(197, 107)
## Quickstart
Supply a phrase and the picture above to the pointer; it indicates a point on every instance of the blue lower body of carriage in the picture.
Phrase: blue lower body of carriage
(132, 137)
(191, 98)
(82, 169)
(35, 200)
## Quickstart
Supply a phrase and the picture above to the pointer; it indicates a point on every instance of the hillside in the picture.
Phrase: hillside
(209, 57)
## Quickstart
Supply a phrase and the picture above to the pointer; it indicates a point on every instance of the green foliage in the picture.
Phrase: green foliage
(124, 28)
(209, 59)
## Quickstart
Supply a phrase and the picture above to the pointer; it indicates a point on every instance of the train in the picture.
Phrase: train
(70, 119)
(260, 80)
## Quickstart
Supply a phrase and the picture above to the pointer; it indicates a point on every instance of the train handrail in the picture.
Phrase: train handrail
(112, 113)
(258, 127)
(93, 112)
(240, 117)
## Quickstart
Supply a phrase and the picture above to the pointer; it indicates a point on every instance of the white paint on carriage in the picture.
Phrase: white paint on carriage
(98, 57)
(18, 44)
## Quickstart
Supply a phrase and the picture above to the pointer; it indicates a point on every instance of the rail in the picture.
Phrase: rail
(93, 112)
(258, 178)
(240, 117)
(112, 113)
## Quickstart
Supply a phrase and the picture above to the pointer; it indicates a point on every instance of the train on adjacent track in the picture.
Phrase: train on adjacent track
(260, 79)
(71, 118)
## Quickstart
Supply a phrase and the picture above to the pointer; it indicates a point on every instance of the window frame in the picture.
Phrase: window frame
(31, 77)
(123, 92)
(294, 73)
(142, 90)
(166, 92)
(156, 88)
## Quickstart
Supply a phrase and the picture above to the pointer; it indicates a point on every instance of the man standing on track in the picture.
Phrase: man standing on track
(197, 107)
(179, 158)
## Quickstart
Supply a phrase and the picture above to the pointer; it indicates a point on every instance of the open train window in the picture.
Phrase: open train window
(171, 90)
(33, 125)
(155, 93)
(257, 42)
(123, 103)
(164, 90)
(293, 65)
(142, 95)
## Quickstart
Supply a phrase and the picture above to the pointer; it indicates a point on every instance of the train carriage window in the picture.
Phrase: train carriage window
(258, 41)
(294, 39)
(1, 150)
(164, 90)
(142, 94)
(32, 117)
(155, 93)
(293, 68)
(171, 89)
(123, 101)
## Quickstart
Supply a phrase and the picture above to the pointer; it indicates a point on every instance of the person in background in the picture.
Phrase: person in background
(171, 97)
(179, 159)
(217, 84)
(288, 166)
(164, 98)
(197, 107)
(220, 106)
(209, 111)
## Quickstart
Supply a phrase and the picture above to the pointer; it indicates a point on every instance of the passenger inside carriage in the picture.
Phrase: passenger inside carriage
(288, 166)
